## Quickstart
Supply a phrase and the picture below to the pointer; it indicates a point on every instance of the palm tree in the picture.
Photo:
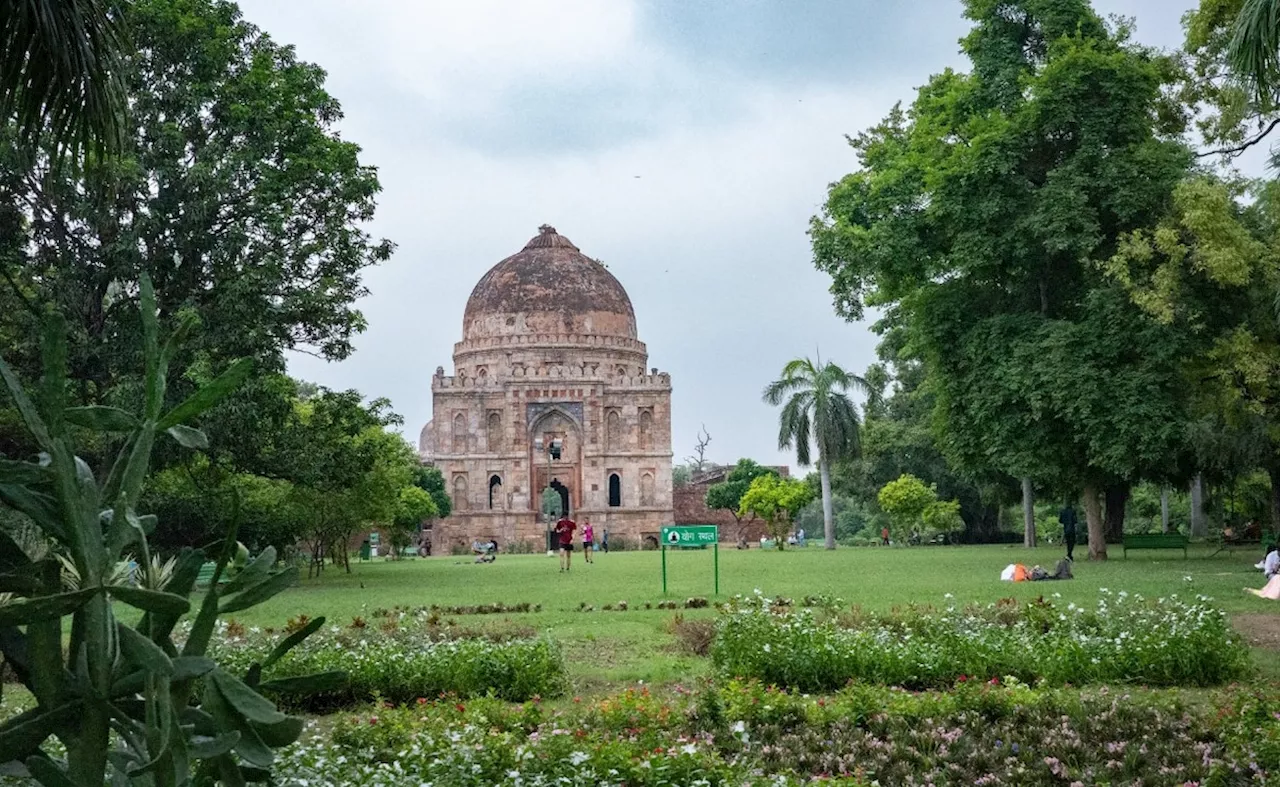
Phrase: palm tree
(818, 410)
(1255, 46)
(61, 72)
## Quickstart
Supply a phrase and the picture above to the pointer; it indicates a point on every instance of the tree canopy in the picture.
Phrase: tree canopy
(978, 220)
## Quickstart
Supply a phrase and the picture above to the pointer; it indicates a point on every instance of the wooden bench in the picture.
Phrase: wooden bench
(1156, 541)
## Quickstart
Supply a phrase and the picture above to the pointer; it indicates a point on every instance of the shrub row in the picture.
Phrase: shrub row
(1124, 639)
(745, 733)
(404, 664)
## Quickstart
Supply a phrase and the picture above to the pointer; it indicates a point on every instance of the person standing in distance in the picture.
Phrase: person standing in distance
(564, 529)
(588, 540)
(1068, 519)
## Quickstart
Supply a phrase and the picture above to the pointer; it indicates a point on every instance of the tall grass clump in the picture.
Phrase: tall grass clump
(1123, 639)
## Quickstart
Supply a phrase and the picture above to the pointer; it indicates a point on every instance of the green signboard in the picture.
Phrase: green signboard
(690, 536)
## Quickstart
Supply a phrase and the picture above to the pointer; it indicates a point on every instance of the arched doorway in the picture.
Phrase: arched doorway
(563, 491)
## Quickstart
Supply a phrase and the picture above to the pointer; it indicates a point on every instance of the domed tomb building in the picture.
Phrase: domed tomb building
(550, 389)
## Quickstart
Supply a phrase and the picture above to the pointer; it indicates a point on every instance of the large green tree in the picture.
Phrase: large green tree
(817, 411)
(233, 190)
(979, 217)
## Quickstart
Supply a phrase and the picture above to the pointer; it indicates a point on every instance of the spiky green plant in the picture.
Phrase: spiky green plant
(818, 411)
(126, 702)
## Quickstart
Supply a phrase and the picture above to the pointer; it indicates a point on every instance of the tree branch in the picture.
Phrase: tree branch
(1238, 149)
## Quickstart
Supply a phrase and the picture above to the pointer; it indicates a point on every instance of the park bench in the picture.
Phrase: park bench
(1155, 541)
(206, 575)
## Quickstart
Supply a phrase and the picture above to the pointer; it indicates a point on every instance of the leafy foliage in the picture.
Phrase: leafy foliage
(777, 501)
(133, 681)
(727, 495)
(1167, 642)
(978, 220)
(61, 74)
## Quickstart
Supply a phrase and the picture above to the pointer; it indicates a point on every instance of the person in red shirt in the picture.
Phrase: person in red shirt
(564, 529)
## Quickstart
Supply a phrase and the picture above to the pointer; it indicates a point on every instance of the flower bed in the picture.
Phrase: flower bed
(1124, 639)
(744, 733)
(401, 663)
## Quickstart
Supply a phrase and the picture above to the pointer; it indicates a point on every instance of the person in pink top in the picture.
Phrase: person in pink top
(588, 539)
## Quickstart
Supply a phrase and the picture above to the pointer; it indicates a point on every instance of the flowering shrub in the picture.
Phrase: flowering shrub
(403, 663)
(745, 733)
(1124, 639)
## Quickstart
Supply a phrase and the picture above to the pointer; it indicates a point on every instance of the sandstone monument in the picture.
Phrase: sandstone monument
(550, 390)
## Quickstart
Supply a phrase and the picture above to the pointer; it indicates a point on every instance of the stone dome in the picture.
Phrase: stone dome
(548, 288)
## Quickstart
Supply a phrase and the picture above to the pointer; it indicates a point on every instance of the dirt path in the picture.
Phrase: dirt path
(1262, 630)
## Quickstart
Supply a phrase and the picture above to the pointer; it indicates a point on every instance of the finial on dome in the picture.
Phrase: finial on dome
(547, 229)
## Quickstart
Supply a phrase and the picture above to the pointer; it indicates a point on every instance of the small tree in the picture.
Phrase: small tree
(905, 500)
(727, 495)
(414, 507)
(777, 501)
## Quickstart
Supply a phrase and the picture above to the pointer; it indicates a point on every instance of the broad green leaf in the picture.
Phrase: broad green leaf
(151, 600)
(31, 416)
(24, 473)
(229, 771)
(247, 702)
(209, 395)
(101, 418)
(23, 734)
(53, 377)
(142, 652)
(42, 509)
(292, 641)
(208, 748)
(154, 379)
(250, 746)
(43, 770)
(253, 573)
(20, 613)
(188, 437)
(303, 685)
(184, 668)
(274, 584)
(280, 734)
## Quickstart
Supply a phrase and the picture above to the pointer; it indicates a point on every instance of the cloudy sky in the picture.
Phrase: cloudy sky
(685, 143)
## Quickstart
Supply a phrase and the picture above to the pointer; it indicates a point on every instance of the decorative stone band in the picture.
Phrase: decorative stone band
(660, 381)
(557, 340)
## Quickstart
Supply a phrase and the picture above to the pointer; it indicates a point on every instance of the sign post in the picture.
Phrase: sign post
(689, 536)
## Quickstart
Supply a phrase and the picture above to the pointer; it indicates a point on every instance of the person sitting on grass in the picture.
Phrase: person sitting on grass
(1271, 563)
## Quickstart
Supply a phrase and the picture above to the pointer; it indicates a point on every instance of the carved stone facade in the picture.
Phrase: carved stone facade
(549, 352)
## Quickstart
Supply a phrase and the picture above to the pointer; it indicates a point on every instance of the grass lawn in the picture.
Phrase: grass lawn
(606, 648)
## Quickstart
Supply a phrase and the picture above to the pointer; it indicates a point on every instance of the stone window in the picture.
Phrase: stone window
(495, 431)
(460, 493)
(613, 430)
(460, 433)
(615, 490)
(646, 429)
(495, 491)
(646, 489)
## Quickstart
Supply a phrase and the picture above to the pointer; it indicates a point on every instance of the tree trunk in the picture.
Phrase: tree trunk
(1117, 496)
(1164, 509)
(1093, 519)
(1199, 526)
(1028, 514)
(1273, 473)
(828, 524)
